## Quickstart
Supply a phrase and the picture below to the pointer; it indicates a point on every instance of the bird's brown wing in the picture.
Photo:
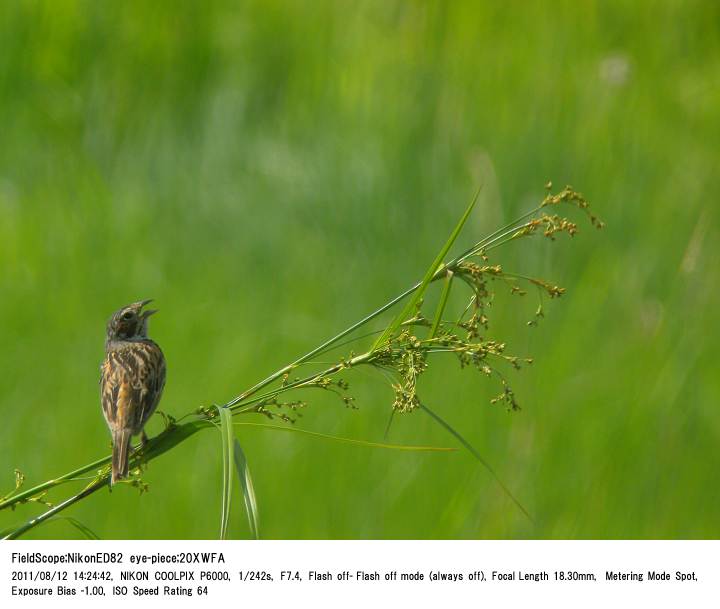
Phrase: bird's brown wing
(132, 380)
(112, 379)
(152, 379)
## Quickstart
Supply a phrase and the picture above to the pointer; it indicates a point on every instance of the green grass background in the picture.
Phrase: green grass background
(271, 171)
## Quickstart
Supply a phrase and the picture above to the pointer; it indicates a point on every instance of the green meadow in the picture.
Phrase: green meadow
(270, 172)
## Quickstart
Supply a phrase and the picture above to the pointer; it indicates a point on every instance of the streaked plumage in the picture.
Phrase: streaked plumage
(131, 382)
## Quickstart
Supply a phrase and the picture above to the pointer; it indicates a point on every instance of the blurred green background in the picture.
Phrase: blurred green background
(271, 171)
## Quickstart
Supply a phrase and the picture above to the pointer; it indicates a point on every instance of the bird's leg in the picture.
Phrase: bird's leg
(139, 450)
(143, 442)
(168, 420)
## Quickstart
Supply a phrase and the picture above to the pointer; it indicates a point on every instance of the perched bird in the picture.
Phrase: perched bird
(131, 381)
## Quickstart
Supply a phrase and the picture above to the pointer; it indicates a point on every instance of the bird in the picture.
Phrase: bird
(132, 378)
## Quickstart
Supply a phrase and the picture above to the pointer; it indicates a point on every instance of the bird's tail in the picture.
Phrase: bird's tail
(120, 454)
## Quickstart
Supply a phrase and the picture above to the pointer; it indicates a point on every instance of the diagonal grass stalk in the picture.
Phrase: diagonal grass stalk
(251, 400)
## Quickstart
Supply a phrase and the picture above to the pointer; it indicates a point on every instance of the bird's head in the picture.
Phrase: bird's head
(129, 322)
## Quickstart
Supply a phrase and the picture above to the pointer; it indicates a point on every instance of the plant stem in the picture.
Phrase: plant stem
(89, 490)
(440, 273)
(153, 448)
(328, 343)
(173, 435)
(36, 490)
(176, 433)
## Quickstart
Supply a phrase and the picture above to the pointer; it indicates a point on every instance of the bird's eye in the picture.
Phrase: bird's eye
(128, 315)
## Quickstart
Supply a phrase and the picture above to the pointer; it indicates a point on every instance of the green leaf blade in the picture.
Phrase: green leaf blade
(243, 472)
(228, 449)
(471, 449)
(87, 532)
(442, 304)
(429, 274)
(366, 443)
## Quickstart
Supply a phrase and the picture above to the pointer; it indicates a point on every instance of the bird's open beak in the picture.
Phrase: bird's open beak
(141, 304)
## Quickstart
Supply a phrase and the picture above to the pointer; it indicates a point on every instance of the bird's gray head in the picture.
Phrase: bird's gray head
(129, 322)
